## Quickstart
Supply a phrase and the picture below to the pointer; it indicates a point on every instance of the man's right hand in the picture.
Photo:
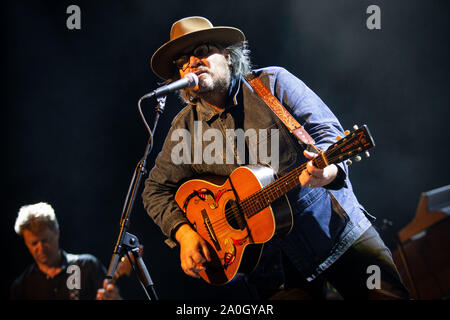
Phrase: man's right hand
(194, 251)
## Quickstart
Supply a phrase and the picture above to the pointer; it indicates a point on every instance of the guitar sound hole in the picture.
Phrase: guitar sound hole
(234, 215)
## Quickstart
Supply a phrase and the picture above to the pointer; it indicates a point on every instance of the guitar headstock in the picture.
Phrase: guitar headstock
(354, 143)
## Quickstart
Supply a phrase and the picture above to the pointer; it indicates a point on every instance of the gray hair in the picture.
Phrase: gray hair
(35, 218)
(240, 65)
(240, 59)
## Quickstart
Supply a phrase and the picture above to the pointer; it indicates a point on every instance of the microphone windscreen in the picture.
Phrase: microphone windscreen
(193, 79)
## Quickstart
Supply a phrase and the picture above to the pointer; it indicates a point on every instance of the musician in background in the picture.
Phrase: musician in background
(56, 274)
(332, 239)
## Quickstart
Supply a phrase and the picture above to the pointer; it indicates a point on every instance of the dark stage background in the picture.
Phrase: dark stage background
(72, 135)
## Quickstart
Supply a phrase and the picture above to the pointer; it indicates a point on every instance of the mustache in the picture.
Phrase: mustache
(200, 71)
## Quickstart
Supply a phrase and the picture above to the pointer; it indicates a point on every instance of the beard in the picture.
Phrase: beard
(214, 79)
(209, 83)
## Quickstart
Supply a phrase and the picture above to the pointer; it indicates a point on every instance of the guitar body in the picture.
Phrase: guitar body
(238, 214)
(235, 241)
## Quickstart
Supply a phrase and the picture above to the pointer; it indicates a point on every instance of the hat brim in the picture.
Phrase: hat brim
(162, 60)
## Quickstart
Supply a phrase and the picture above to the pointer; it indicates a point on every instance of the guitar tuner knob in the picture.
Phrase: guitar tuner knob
(338, 138)
(357, 158)
(348, 162)
(367, 154)
(346, 132)
(355, 127)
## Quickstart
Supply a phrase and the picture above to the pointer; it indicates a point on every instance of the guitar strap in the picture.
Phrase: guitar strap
(280, 111)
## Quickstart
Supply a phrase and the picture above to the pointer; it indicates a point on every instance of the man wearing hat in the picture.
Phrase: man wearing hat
(332, 239)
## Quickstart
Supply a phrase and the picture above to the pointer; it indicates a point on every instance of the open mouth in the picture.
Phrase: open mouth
(200, 72)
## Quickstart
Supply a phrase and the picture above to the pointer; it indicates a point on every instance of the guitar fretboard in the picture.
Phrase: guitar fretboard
(264, 197)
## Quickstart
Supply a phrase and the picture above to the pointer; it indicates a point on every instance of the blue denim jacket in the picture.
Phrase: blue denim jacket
(326, 221)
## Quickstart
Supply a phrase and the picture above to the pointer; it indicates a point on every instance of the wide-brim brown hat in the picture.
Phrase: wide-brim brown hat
(186, 33)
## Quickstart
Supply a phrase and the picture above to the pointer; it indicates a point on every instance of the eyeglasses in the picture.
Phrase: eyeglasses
(200, 52)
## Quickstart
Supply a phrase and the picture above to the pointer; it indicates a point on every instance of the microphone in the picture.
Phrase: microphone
(190, 80)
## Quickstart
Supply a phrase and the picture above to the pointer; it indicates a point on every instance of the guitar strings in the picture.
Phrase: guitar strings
(251, 205)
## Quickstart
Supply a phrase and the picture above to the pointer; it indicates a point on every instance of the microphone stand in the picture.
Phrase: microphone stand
(127, 242)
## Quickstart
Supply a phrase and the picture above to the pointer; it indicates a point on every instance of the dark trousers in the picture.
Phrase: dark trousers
(365, 271)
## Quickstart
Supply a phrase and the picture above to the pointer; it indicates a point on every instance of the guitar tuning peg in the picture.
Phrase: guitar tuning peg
(349, 162)
(367, 154)
(355, 127)
(338, 138)
(346, 132)
(357, 158)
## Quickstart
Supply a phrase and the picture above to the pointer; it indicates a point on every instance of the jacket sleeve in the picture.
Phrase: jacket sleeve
(313, 114)
(160, 188)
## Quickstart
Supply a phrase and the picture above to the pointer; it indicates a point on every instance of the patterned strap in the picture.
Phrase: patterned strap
(280, 111)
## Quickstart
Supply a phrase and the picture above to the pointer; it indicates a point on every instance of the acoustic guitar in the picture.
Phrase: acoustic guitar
(238, 214)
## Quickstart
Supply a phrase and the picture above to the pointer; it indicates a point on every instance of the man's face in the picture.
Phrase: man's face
(212, 65)
(43, 245)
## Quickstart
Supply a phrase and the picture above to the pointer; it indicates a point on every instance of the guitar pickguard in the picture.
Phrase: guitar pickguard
(229, 254)
(230, 250)
(206, 195)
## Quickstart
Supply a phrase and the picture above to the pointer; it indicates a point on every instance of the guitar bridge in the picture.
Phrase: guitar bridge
(209, 228)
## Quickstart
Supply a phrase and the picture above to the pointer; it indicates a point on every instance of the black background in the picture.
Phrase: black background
(72, 135)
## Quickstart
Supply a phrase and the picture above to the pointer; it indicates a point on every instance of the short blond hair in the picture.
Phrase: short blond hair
(35, 217)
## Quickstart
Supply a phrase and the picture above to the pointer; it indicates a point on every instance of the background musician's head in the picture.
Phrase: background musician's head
(39, 228)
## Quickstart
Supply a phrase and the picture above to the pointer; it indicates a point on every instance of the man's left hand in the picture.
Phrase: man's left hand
(313, 177)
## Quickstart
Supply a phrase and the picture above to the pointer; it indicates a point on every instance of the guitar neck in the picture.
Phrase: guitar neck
(264, 197)
(352, 144)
